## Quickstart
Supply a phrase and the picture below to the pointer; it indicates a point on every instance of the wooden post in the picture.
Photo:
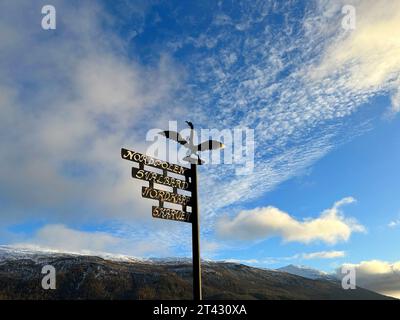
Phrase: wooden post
(195, 238)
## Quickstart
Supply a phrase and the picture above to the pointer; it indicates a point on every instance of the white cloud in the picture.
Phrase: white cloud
(367, 58)
(58, 237)
(296, 257)
(244, 261)
(323, 255)
(395, 98)
(67, 108)
(394, 223)
(299, 256)
(330, 227)
(377, 275)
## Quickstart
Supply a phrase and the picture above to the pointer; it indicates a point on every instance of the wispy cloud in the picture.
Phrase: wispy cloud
(260, 223)
(332, 254)
(284, 81)
(323, 255)
(244, 261)
(367, 59)
(394, 223)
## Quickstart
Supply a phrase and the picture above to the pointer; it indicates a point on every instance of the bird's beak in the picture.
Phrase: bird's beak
(222, 146)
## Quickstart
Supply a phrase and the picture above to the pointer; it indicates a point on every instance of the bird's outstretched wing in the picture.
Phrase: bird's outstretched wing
(210, 145)
(174, 136)
(197, 161)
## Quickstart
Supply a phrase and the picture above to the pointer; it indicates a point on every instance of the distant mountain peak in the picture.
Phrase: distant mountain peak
(307, 272)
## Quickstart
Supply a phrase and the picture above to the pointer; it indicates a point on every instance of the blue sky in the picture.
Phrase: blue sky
(323, 102)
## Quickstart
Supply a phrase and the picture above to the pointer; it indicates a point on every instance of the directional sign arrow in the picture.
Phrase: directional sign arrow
(170, 214)
(165, 196)
(153, 162)
(160, 179)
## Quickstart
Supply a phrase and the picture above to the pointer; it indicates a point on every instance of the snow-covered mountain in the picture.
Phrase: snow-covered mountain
(119, 277)
(36, 254)
(17, 253)
(41, 254)
(307, 272)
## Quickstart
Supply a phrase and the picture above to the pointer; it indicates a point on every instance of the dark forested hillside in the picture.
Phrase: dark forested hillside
(90, 277)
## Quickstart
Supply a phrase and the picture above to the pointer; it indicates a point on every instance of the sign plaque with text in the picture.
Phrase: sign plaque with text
(172, 196)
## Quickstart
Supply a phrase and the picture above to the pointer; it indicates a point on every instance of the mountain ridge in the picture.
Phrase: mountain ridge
(94, 277)
(308, 272)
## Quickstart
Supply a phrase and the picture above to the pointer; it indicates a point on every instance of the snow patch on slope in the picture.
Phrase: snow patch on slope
(307, 272)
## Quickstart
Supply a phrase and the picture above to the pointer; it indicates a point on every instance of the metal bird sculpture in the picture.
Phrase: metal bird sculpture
(193, 149)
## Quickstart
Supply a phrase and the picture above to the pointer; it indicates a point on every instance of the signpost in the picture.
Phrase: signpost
(195, 237)
(187, 182)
